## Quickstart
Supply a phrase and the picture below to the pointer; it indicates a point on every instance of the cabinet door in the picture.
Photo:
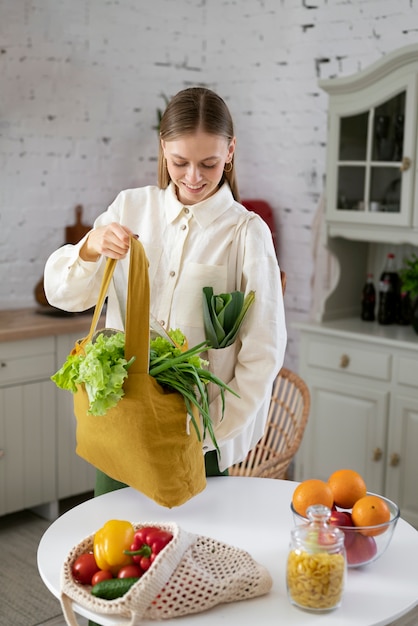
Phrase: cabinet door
(27, 443)
(402, 461)
(75, 475)
(346, 429)
(370, 173)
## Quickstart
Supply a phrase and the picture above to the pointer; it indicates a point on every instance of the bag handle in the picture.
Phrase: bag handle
(236, 253)
(71, 618)
(104, 288)
(137, 322)
(137, 327)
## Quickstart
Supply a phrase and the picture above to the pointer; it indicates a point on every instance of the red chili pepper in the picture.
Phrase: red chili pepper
(148, 542)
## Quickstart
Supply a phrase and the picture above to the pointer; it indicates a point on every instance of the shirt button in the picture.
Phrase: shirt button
(186, 210)
(172, 273)
(184, 227)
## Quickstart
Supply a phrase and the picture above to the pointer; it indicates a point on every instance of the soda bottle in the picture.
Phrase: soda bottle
(368, 300)
(389, 292)
(405, 310)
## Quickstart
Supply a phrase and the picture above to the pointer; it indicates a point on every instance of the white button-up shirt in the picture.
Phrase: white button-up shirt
(216, 243)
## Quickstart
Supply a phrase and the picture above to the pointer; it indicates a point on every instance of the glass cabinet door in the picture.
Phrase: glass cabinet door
(370, 156)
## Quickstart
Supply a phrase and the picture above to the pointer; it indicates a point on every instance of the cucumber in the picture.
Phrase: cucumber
(113, 588)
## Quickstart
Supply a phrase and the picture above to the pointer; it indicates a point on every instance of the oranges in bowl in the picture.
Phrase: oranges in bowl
(309, 492)
(347, 487)
(367, 519)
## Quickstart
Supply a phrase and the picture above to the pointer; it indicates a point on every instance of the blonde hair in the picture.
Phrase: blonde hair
(192, 109)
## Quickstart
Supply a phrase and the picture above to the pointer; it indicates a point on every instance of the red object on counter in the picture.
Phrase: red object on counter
(264, 210)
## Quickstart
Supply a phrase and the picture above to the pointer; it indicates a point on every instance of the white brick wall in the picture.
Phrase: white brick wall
(80, 82)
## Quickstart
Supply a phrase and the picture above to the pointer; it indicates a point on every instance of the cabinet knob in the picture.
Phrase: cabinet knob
(3, 364)
(377, 454)
(344, 361)
(395, 459)
(405, 165)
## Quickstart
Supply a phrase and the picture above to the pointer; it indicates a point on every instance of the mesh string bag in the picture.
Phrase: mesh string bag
(192, 574)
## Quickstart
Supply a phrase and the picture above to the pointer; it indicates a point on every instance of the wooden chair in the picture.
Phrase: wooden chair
(286, 422)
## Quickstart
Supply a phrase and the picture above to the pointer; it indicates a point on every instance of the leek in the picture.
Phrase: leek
(223, 315)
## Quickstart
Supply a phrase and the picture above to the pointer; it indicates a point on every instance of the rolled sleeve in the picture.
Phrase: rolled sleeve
(70, 283)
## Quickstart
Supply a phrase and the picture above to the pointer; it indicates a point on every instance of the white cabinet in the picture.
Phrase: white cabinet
(74, 474)
(372, 151)
(401, 477)
(364, 408)
(38, 462)
(363, 377)
(27, 424)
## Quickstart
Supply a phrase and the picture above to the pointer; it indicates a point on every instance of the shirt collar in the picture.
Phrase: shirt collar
(205, 212)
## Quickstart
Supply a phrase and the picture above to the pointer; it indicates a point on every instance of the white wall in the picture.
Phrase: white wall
(81, 80)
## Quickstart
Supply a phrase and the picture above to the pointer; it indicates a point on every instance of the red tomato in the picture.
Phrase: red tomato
(84, 568)
(145, 563)
(102, 574)
(130, 571)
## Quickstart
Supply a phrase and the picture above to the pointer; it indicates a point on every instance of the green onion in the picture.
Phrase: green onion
(191, 382)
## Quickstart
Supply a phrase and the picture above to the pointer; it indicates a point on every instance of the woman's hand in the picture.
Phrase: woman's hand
(111, 241)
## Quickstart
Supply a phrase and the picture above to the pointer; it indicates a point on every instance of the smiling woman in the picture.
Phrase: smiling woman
(196, 234)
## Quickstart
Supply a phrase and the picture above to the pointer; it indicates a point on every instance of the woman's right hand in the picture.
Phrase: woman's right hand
(112, 241)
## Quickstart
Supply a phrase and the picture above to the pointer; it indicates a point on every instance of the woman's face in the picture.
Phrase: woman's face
(196, 163)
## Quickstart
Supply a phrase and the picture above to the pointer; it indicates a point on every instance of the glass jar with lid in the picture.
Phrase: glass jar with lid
(316, 564)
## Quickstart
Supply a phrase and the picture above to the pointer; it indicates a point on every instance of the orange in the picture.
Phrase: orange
(347, 487)
(370, 511)
(309, 492)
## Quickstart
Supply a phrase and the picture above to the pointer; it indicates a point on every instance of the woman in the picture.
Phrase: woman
(195, 234)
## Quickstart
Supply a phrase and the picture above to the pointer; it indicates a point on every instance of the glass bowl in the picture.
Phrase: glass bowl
(363, 544)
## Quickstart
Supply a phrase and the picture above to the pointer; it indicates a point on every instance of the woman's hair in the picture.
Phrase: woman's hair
(193, 109)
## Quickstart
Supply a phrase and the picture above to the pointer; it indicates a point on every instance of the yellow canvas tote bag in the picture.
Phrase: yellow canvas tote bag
(144, 441)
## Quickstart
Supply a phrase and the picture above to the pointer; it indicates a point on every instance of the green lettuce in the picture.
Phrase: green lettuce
(103, 369)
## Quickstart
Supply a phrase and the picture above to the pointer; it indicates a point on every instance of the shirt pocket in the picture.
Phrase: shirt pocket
(189, 308)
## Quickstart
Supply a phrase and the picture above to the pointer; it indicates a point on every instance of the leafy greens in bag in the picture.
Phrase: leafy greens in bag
(103, 369)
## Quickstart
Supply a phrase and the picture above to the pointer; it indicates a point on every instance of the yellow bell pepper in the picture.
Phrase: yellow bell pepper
(109, 544)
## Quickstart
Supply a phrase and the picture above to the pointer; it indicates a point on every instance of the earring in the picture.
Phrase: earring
(229, 168)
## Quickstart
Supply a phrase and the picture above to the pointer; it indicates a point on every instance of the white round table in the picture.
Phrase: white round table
(252, 514)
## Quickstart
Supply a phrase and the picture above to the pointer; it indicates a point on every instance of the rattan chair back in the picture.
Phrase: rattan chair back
(286, 423)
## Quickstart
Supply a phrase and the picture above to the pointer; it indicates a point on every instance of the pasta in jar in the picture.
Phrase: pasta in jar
(315, 581)
(316, 564)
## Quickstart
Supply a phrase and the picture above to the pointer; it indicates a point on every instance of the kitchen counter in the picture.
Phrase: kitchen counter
(30, 323)
(353, 328)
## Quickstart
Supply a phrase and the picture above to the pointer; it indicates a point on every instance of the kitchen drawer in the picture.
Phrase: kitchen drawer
(23, 361)
(349, 359)
(408, 372)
